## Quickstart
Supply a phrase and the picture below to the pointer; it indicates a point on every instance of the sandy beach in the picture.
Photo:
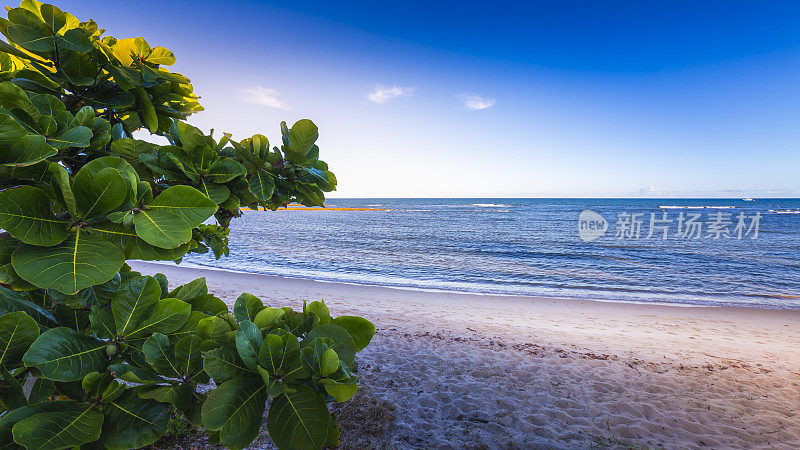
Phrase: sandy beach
(474, 371)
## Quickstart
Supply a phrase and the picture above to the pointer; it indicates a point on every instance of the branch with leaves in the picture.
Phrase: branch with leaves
(113, 353)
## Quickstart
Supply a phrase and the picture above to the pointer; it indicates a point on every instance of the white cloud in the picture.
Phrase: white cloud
(476, 102)
(263, 96)
(382, 94)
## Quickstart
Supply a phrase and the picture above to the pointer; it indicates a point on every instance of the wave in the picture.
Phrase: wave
(541, 291)
(696, 207)
(491, 205)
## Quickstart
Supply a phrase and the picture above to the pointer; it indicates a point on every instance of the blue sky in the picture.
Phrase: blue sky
(501, 99)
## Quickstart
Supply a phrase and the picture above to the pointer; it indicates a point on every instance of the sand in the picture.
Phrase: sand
(470, 371)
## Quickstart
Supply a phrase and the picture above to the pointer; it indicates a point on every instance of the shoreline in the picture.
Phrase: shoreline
(196, 266)
(465, 370)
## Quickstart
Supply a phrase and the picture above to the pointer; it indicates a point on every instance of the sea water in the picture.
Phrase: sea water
(532, 247)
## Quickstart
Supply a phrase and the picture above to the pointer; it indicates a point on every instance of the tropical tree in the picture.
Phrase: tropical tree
(108, 354)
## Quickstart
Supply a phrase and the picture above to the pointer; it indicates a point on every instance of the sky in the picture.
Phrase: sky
(500, 99)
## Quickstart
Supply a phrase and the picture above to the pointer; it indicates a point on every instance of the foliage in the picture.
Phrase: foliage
(113, 353)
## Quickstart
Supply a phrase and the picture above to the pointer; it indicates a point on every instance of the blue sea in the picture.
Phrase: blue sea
(532, 247)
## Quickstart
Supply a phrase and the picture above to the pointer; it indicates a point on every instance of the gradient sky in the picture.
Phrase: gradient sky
(500, 99)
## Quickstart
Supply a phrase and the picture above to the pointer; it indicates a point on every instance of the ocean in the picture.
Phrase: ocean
(716, 251)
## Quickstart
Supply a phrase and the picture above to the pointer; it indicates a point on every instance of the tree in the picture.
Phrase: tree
(112, 352)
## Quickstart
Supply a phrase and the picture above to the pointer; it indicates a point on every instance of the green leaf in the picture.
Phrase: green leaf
(133, 422)
(324, 180)
(11, 418)
(35, 81)
(78, 262)
(135, 247)
(10, 130)
(31, 39)
(215, 329)
(134, 304)
(144, 193)
(17, 332)
(246, 307)
(202, 158)
(148, 113)
(133, 374)
(23, 16)
(334, 433)
(223, 364)
(73, 137)
(225, 170)
(13, 97)
(341, 392)
(318, 358)
(235, 409)
(127, 171)
(11, 394)
(190, 290)
(53, 17)
(262, 185)
(94, 383)
(169, 218)
(280, 355)
(63, 354)
(190, 137)
(310, 195)
(84, 116)
(62, 180)
(299, 420)
(161, 393)
(74, 39)
(26, 151)
(321, 310)
(11, 301)
(275, 387)
(77, 319)
(169, 315)
(25, 213)
(359, 328)
(159, 353)
(301, 137)
(248, 343)
(98, 193)
(267, 317)
(128, 49)
(190, 327)
(52, 106)
(208, 304)
(80, 69)
(109, 95)
(161, 56)
(125, 77)
(62, 429)
(7, 274)
(101, 321)
(130, 150)
(187, 355)
(342, 342)
(284, 134)
(42, 390)
(218, 193)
